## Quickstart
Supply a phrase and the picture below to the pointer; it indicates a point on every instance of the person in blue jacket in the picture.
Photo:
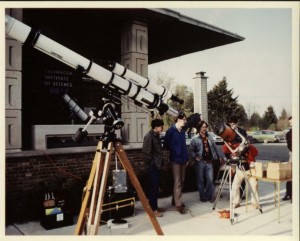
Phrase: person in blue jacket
(175, 143)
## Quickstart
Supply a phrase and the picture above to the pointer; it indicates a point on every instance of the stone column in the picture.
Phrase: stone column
(200, 95)
(134, 56)
(13, 89)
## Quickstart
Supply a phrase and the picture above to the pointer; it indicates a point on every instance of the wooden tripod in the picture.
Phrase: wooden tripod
(91, 207)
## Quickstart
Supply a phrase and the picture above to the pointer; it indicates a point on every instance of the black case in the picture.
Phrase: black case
(57, 220)
(117, 206)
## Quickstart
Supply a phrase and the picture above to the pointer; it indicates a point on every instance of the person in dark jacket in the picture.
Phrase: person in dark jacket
(288, 194)
(153, 158)
(175, 143)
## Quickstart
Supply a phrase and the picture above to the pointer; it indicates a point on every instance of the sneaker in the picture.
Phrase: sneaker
(286, 198)
(157, 214)
(161, 210)
(173, 203)
(236, 205)
(180, 209)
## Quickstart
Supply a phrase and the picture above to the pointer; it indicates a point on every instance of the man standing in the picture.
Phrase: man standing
(203, 150)
(247, 157)
(175, 143)
(153, 158)
(288, 194)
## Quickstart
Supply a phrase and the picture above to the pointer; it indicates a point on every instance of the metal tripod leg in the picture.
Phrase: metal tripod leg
(221, 186)
(232, 214)
(251, 190)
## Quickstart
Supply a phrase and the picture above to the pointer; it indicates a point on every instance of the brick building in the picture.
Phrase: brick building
(40, 153)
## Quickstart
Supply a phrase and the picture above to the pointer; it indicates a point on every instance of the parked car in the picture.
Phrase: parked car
(187, 137)
(267, 136)
(251, 138)
(218, 140)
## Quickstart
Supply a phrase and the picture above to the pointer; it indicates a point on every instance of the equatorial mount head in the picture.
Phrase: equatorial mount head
(110, 119)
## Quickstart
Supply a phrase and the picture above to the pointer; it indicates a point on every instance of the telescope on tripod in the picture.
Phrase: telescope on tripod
(140, 90)
(238, 160)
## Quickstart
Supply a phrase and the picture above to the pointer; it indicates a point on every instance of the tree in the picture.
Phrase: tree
(255, 121)
(222, 104)
(163, 79)
(283, 122)
(269, 118)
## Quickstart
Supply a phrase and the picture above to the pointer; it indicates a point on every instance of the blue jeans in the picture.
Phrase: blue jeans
(154, 176)
(204, 173)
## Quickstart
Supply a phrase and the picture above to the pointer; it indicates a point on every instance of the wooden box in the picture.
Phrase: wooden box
(279, 170)
(260, 169)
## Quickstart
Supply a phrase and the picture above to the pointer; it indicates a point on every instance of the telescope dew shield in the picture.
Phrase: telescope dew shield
(146, 98)
(225, 132)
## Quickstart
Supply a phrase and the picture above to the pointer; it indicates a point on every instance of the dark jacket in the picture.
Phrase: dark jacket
(289, 139)
(175, 143)
(152, 150)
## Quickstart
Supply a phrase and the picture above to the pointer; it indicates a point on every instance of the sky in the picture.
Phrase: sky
(258, 69)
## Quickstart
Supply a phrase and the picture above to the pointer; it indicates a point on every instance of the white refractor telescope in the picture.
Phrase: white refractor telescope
(125, 81)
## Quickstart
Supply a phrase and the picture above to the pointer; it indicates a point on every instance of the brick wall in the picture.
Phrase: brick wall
(28, 178)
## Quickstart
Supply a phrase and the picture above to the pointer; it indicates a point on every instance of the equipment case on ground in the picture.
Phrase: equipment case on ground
(57, 220)
(118, 206)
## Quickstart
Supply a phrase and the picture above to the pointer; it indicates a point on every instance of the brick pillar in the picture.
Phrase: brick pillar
(134, 56)
(200, 95)
(13, 88)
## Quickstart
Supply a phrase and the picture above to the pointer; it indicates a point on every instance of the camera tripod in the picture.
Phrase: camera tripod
(237, 163)
(91, 207)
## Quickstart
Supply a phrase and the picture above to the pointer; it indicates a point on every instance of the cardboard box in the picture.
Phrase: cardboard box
(279, 170)
(260, 169)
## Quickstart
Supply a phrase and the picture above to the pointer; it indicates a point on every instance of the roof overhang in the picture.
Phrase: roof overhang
(96, 32)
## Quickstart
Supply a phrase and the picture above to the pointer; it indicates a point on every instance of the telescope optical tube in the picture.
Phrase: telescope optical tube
(21, 32)
(143, 82)
(75, 108)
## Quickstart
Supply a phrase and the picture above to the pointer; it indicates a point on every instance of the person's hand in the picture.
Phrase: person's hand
(221, 160)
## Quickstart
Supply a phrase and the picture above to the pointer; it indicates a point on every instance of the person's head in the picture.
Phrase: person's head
(290, 121)
(233, 122)
(157, 125)
(180, 120)
(202, 128)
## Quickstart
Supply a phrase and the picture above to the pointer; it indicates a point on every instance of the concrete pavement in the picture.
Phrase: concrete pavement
(200, 219)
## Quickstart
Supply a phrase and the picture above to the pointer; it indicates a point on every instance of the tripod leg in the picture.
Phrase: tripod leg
(95, 193)
(251, 189)
(93, 229)
(86, 198)
(231, 205)
(135, 182)
(221, 186)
